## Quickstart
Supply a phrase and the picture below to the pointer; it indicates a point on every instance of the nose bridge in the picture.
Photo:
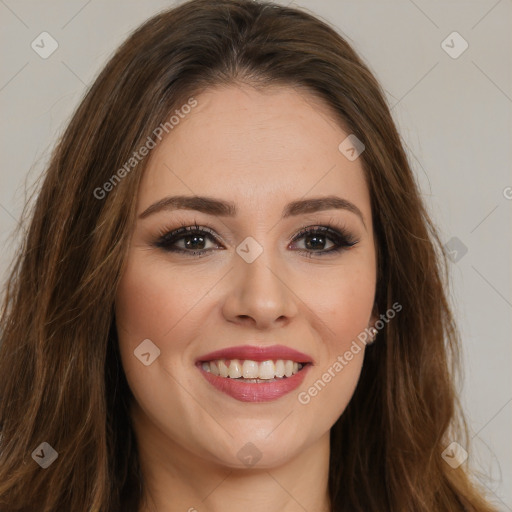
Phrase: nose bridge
(260, 275)
(258, 283)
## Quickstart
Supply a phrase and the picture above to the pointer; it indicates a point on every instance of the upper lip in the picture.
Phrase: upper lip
(255, 353)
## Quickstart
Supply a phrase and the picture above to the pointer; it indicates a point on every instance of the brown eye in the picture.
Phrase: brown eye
(316, 238)
(194, 238)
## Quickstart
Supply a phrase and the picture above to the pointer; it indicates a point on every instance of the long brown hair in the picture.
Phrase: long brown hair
(61, 377)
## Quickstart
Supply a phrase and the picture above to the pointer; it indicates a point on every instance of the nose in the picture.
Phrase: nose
(260, 294)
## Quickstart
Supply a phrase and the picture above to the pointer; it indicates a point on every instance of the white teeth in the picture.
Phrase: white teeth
(223, 369)
(252, 371)
(213, 368)
(280, 368)
(235, 369)
(266, 370)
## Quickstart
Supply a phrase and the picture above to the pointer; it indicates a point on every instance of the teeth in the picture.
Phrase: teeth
(223, 369)
(266, 370)
(252, 371)
(235, 369)
(213, 368)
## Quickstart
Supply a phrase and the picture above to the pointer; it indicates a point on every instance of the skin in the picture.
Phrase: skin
(261, 150)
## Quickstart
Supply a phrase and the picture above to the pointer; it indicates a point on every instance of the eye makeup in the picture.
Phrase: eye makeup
(194, 238)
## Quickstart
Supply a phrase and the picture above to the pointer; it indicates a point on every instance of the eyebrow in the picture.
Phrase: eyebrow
(223, 208)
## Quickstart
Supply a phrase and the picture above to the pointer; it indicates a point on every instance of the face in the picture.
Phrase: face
(266, 279)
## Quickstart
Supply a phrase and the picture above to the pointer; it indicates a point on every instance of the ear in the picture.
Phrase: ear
(374, 316)
(371, 324)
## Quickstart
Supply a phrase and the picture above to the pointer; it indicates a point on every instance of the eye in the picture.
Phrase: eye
(193, 240)
(316, 237)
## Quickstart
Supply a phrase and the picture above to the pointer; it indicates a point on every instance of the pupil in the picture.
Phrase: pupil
(195, 238)
(315, 237)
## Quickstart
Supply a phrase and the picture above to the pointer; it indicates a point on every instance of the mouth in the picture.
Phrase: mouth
(255, 374)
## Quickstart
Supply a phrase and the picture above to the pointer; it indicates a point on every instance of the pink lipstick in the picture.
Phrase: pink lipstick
(255, 374)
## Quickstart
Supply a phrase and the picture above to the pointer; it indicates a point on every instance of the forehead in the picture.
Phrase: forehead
(255, 145)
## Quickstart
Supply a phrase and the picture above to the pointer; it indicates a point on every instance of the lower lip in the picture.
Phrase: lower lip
(256, 392)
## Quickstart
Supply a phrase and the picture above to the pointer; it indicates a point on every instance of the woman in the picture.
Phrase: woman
(230, 293)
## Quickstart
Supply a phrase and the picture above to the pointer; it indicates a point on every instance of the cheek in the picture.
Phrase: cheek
(152, 303)
(342, 305)
(148, 305)
(163, 304)
(342, 301)
(152, 300)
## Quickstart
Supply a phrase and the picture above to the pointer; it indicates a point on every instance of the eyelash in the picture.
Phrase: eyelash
(340, 237)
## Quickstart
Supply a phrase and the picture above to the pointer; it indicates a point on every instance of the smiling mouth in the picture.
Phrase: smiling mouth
(252, 372)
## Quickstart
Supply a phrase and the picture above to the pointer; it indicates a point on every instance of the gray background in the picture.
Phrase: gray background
(454, 116)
